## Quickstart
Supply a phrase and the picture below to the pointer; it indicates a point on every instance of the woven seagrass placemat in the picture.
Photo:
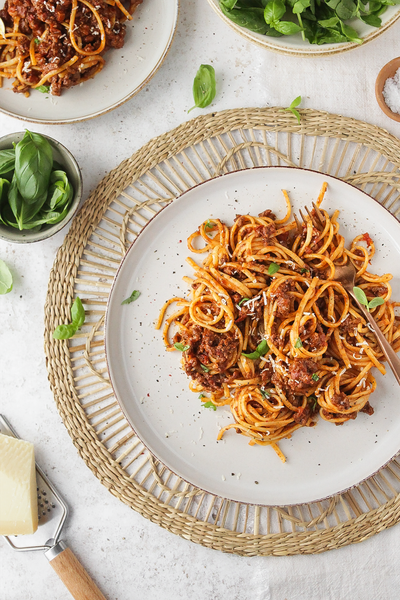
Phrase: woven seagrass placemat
(110, 219)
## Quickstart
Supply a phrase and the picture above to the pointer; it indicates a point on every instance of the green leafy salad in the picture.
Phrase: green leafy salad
(34, 190)
(318, 21)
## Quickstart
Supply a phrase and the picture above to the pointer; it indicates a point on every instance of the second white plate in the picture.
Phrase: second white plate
(148, 38)
(152, 390)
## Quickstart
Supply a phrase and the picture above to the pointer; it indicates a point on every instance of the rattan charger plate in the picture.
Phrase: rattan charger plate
(110, 219)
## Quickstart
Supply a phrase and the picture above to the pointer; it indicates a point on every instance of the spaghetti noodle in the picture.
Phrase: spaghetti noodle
(58, 44)
(271, 333)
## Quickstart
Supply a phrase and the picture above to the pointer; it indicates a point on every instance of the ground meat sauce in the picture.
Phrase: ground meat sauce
(208, 349)
(301, 371)
(45, 22)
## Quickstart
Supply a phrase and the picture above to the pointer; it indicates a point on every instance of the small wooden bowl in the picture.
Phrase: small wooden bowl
(385, 73)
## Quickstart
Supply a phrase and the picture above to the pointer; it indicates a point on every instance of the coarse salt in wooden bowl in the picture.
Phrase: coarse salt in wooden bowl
(388, 71)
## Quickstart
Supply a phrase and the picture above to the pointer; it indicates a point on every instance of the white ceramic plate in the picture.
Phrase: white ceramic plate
(294, 44)
(147, 41)
(152, 390)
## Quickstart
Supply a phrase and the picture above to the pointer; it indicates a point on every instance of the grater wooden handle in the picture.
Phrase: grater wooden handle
(75, 578)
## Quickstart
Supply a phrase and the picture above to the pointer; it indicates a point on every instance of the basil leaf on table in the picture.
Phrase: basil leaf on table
(66, 331)
(33, 165)
(204, 87)
(78, 313)
(6, 280)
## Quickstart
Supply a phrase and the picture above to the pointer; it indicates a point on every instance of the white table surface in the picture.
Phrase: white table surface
(130, 557)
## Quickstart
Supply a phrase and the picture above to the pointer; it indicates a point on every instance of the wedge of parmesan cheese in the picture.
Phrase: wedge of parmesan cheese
(18, 494)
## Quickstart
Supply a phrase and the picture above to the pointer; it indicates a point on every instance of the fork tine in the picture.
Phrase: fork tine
(298, 224)
(314, 221)
(303, 217)
(319, 214)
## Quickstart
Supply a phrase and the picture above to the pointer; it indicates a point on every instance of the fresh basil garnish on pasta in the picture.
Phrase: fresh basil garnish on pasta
(314, 377)
(265, 394)
(205, 369)
(208, 224)
(45, 89)
(204, 87)
(273, 268)
(376, 302)
(299, 343)
(64, 332)
(243, 300)
(362, 298)
(303, 271)
(261, 349)
(6, 279)
(181, 347)
(209, 404)
(134, 296)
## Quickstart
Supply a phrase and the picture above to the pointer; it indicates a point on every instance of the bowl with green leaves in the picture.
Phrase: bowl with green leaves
(308, 27)
(40, 187)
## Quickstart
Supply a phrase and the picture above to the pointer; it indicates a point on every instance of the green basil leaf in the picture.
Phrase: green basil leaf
(295, 102)
(33, 165)
(273, 268)
(64, 332)
(351, 34)
(262, 348)
(274, 11)
(299, 343)
(229, 4)
(287, 27)
(209, 404)
(303, 271)
(205, 369)
(134, 296)
(6, 279)
(22, 211)
(243, 300)
(360, 296)
(346, 9)
(265, 394)
(4, 187)
(204, 87)
(181, 347)
(77, 313)
(7, 160)
(250, 18)
(376, 302)
(372, 20)
(332, 22)
(314, 377)
(300, 6)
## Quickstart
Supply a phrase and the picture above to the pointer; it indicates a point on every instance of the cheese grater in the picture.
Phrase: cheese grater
(53, 512)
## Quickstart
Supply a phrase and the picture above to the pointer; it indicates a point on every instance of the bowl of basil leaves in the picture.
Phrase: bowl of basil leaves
(308, 27)
(40, 187)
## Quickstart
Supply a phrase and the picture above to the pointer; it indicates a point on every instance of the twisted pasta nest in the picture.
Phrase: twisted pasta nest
(268, 330)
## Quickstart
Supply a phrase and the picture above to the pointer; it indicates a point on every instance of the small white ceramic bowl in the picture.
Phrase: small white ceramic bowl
(71, 167)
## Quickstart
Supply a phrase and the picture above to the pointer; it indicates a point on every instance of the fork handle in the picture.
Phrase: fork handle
(391, 356)
(73, 575)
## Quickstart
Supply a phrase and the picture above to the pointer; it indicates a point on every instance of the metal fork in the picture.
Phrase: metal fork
(317, 219)
(346, 275)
